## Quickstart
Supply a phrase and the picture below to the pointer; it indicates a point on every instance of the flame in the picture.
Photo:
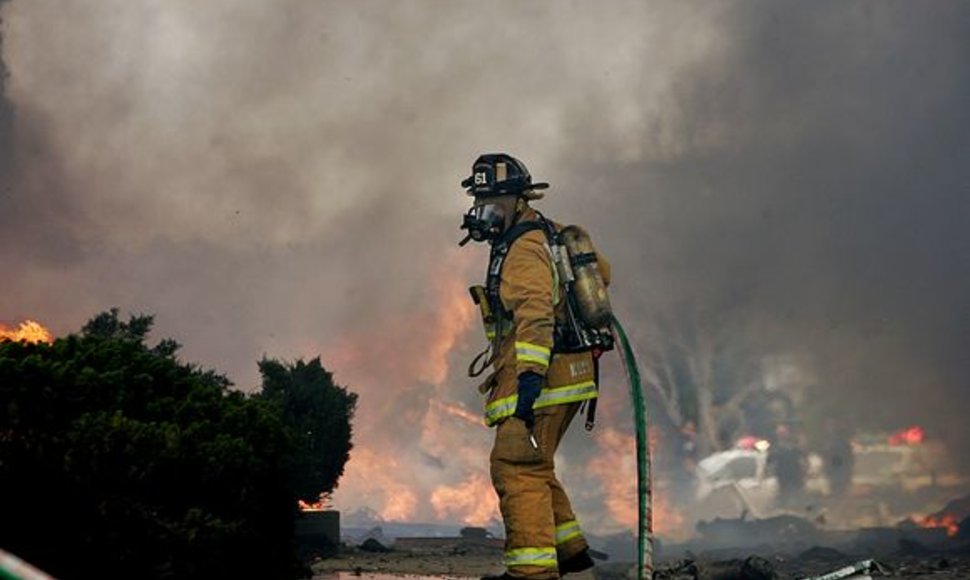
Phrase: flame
(453, 432)
(912, 436)
(28, 331)
(424, 452)
(323, 503)
(401, 369)
(457, 314)
(379, 478)
(615, 467)
(948, 521)
(413, 348)
(473, 501)
(457, 411)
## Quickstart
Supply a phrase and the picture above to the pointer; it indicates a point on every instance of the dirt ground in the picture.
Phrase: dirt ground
(474, 562)
(470, 562)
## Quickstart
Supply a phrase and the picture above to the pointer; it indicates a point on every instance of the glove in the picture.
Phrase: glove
(530, 385)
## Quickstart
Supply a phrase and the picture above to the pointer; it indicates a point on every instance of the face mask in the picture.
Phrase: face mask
(483, 222)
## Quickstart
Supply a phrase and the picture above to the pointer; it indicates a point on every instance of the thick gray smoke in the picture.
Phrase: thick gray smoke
(818, 204)
(282, 179)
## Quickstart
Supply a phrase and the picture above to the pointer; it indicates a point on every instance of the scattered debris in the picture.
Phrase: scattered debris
(859, 570)
(774, 529)
(475, 533)
(372, 545)
(751, 568)
(822, 554)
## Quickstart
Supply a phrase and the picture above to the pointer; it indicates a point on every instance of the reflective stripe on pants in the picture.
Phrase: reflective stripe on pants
(541, 557)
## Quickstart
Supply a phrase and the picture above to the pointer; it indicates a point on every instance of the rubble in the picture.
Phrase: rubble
(372, 545)
(783, 547)
(773, 530)
(751, 568)
(859, 570)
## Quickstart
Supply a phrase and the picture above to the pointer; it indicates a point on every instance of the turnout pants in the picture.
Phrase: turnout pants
(540, 526)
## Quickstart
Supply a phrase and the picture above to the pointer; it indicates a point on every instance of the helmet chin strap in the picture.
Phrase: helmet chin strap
(516, 213)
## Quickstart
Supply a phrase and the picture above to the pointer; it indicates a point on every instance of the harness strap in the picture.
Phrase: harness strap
(500, 250)
(591, 409)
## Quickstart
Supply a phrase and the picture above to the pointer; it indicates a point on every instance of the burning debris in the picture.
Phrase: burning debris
(325, 502)
(954, 518)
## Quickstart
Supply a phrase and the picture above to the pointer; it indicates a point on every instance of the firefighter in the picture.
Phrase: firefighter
(538, 383)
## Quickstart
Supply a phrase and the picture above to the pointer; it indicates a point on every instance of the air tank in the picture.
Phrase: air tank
(589, 288)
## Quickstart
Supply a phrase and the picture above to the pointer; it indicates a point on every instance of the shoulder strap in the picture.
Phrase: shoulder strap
(516, 232)
(500, 249)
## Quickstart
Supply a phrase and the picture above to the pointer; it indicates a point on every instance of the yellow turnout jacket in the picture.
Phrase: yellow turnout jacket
(530, 289)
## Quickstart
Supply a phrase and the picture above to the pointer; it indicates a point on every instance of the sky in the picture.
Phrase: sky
(282, 179)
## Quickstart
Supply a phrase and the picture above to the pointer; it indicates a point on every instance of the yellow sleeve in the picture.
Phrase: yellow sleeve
(526, 291)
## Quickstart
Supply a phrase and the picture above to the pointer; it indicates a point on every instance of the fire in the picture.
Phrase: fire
(948, 521)
(615, 467)
(911, 436)
(379, 479)
(457, 411)
(456, 315)
(402, 369)
(323, 503)
(424, 452)
(474, 501)
(28, 331)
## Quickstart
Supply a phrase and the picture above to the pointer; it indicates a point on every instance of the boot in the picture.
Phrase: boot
(577, 563)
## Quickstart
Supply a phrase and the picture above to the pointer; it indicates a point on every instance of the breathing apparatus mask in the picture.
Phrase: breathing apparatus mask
(495, 175)
(484, 222)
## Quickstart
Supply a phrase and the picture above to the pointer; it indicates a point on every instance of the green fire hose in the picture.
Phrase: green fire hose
(644, 510)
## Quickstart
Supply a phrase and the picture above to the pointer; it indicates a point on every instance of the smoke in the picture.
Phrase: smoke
(6, 115)
(817, 203)
(282, 179)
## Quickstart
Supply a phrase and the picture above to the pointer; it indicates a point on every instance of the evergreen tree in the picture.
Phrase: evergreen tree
(118, 460)
(317, 416)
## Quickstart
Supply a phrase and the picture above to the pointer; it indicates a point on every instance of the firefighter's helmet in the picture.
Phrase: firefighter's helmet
(496, 174)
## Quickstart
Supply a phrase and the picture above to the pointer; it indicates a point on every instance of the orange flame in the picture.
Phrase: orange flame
(457, 411)
(948, 521)
(457, 314)
(379, 479)
(27, 331)
(411, 349)
(615, 467)
(473, 501)
(323, 503)
(401, 370)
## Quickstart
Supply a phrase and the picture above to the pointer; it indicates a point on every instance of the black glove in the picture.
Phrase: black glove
(530, 385)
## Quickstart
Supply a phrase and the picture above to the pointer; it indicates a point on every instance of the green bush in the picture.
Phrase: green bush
(317, 414)
(117, 460)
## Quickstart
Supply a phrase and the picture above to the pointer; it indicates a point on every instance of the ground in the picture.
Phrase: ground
(474, 562)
